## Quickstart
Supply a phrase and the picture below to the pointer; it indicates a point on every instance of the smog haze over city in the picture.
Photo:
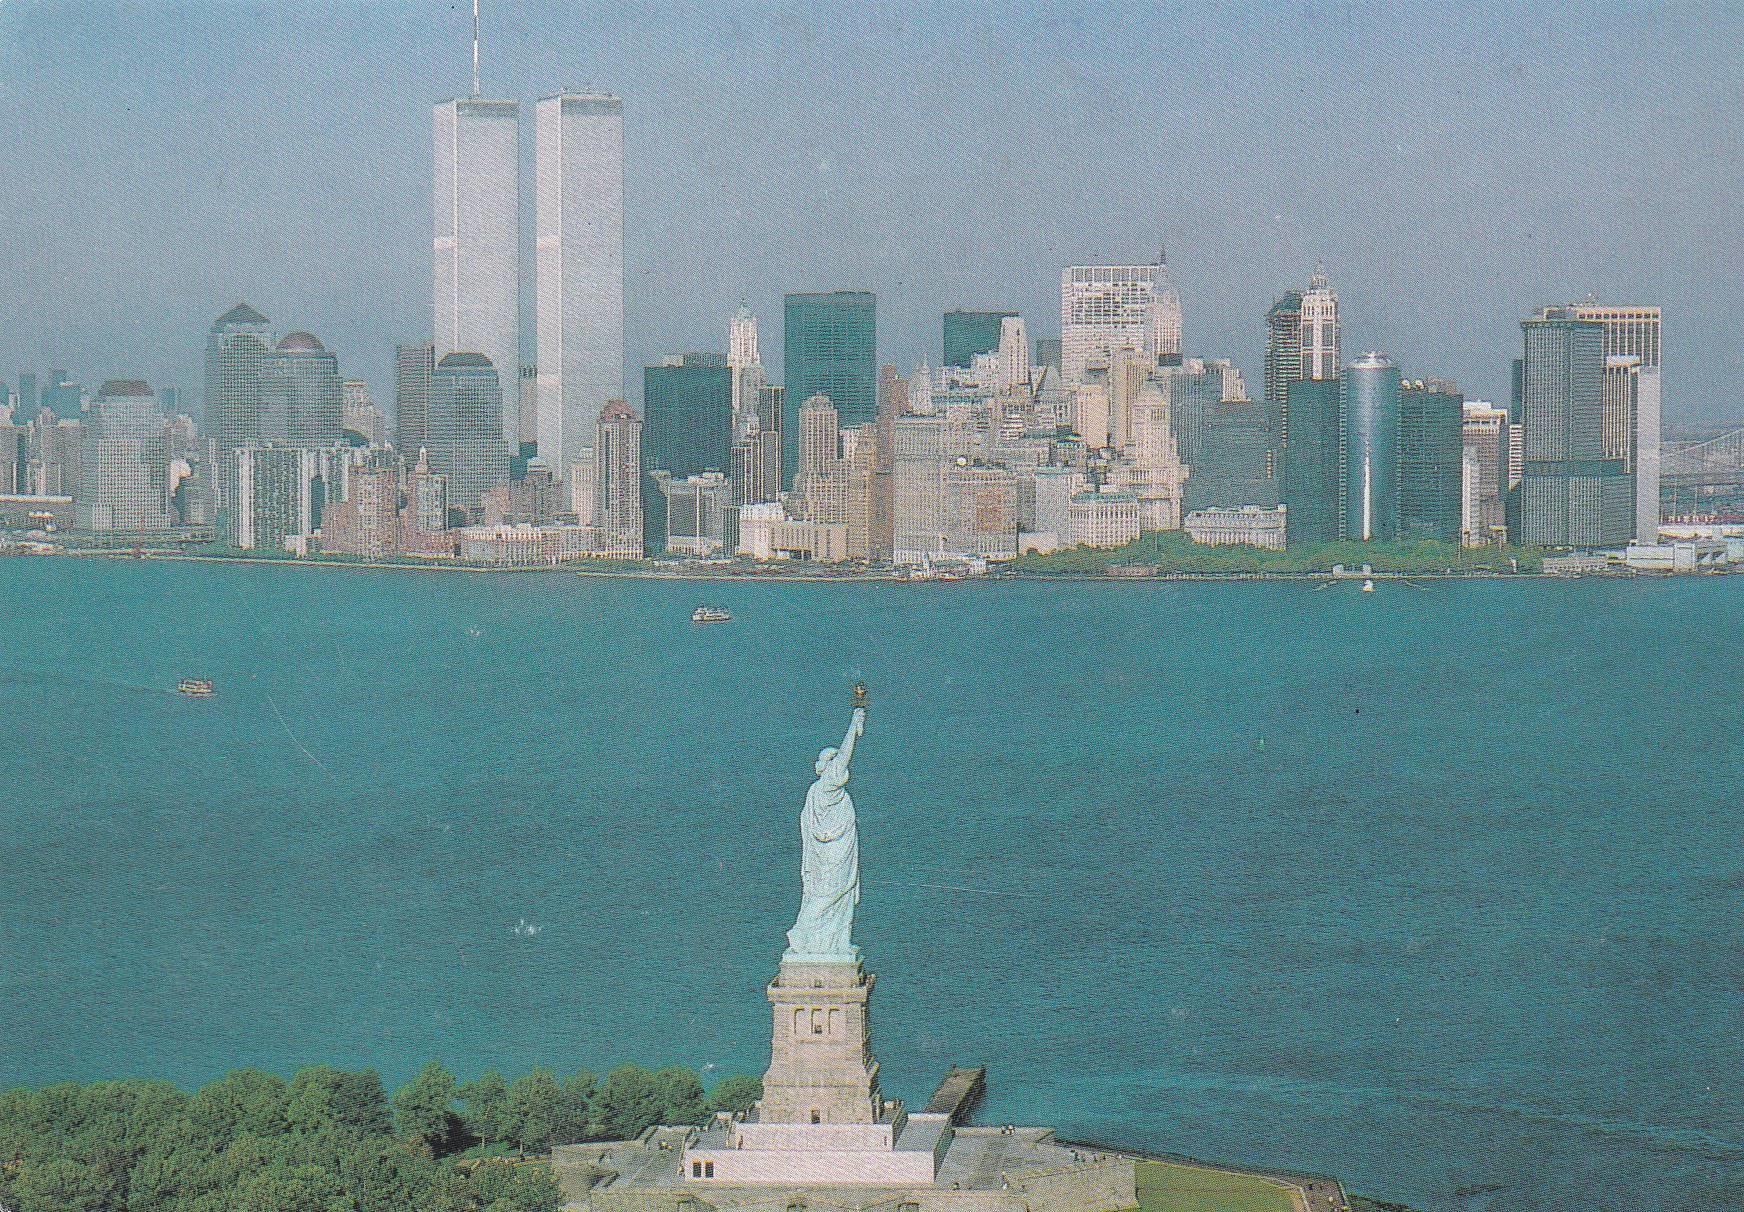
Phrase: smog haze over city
(1451, 169)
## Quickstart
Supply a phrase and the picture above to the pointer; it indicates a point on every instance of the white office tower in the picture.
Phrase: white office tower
(746, 363)
(1319, 328)
(1012, 355)
(742, 339)
(478, 237)
(579, 264)
(1109, 307)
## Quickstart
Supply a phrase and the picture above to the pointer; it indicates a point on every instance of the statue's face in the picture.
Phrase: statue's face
(825, 757)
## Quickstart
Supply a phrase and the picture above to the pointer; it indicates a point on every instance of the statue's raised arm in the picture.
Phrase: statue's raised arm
(856, 725)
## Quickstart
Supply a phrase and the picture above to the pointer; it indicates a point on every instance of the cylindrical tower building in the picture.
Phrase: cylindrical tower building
(1370, 407)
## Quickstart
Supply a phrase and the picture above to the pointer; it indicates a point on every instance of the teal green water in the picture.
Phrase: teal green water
(1437, 889)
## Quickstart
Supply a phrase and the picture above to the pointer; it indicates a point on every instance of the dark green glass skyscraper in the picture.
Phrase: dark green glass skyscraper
(687, 415)
(968, 333)
(830, 348)
(687, 428)
(1313, 473)
(1431, 451)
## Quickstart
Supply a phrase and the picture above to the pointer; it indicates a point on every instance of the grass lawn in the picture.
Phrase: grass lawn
(1168, 1187)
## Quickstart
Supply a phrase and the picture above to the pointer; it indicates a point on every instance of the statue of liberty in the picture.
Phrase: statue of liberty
(830, 868)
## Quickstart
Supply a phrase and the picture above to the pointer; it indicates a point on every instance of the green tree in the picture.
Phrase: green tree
(681, 1097)
(517, 1188)
(486, 1113)
(628, 1104)
(321, 1095)
(59, 1185)
(736, 1093)
(244, 1100)
(424, 1107)
(535, 1109)
(382, 1174)
(578, 1094)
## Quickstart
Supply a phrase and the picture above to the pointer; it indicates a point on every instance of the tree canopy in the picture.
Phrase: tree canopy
(328, 1140)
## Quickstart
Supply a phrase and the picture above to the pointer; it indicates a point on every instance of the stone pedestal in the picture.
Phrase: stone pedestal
(821, 1069)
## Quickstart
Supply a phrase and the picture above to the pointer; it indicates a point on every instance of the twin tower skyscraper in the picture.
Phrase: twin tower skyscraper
(578, 258)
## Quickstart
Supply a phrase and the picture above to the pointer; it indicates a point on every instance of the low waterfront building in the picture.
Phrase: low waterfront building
(523, 543)
(1250, 526)
(1678, 555)
(767, 533)
(1577, 563)
(1102, 519)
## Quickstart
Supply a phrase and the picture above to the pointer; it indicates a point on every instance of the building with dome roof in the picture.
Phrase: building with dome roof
(463, 438)
(236, 348)
(305, 402)
(125, 464)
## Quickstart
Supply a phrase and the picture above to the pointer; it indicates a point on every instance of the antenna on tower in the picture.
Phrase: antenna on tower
(475, 90)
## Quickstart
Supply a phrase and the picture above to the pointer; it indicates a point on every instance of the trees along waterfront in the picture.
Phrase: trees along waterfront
(328, 1140)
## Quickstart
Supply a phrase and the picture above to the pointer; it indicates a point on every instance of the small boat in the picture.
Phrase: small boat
(196, 687)
(711, 614)
(1368, 585)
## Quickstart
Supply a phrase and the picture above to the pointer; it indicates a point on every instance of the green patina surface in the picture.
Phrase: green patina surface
(1173, 1187)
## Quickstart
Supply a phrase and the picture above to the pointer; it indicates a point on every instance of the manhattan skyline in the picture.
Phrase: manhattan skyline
(941, 159)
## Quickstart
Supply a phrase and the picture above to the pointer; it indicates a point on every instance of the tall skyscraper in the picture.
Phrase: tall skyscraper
(1283, 361)
(477, 244)
(1313, 474)
(1302, 342)
(124, 480)
(413, 366)
(465, 426)
(1634, 332)
(61, 395)
(820, 443)
(1431, 455)
(1013, 354)
(687, 413)
(745, 360)
(1109, 307)
(1570, 494)
(305, 402)
(1320, 337)
(968, 333)
(236, 350)
(579, 262)
(1369, 408)
(830, 343)
(617, 450)
(742, 339)
(28, 401)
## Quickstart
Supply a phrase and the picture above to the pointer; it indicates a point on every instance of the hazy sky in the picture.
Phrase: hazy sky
(159, 162)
